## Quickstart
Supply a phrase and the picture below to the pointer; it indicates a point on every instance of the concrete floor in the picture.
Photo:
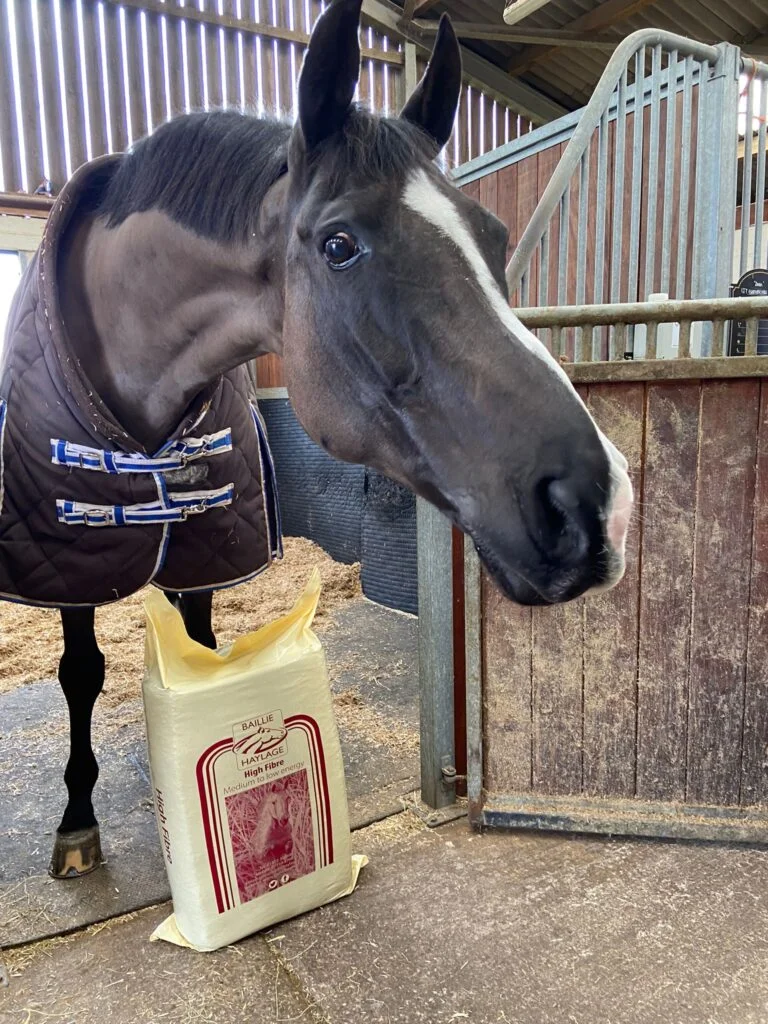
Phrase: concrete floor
(446, 927)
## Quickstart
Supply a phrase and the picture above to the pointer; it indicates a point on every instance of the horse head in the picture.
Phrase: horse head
(401, 350)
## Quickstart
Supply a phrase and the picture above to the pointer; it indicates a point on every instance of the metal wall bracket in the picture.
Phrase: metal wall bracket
(431, 816)
(450, 775)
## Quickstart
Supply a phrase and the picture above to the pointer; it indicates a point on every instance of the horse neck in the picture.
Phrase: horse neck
(156, 313)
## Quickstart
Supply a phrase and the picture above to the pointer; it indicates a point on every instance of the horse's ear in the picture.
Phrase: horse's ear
(330, 71)
(435, 100)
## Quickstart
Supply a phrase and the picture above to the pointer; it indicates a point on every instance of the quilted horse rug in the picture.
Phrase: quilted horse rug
(75, 488)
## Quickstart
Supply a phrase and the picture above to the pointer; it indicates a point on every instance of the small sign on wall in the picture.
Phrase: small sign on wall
(750, 285)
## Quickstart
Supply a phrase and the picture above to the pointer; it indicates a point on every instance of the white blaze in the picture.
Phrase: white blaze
(422, 195)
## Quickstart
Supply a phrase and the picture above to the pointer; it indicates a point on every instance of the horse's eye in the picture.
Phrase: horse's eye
(341, 250)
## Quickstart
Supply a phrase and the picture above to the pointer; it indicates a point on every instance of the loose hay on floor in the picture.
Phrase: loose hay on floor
(31, 644)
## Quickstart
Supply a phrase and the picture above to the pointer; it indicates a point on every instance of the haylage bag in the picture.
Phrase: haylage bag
(247, 775)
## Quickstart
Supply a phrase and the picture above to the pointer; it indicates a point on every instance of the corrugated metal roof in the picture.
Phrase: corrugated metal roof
(569, 74)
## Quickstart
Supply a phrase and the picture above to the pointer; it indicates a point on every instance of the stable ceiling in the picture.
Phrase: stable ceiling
(566, 70)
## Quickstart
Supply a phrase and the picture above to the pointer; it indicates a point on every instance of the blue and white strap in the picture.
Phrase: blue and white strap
(172, 456)
(176, 508)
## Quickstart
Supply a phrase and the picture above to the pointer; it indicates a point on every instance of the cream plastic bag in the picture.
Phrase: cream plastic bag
(247, 775)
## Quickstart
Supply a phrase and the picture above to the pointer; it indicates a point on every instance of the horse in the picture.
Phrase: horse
(273, 835)
(340, 244)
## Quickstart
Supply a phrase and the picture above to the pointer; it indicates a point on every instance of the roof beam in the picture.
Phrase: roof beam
(516, 10)
(422, 6)
(757, 47)
(536, 36)
(609, 13)
(409, 8)
(495, 82)
(414, 8)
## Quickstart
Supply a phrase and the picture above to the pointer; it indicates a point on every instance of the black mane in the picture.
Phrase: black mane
(210, 172)
(376, 148)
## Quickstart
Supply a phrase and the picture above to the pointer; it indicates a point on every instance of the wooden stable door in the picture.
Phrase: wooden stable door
(645, 710)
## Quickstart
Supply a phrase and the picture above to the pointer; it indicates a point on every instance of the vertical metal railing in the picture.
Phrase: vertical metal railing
(750, 220)
(649, 191)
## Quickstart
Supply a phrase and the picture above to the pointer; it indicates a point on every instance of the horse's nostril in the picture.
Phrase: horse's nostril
(562, 520)
(553, 502)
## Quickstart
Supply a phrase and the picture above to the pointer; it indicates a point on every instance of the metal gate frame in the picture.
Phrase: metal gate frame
(599, 815)
(715, 198)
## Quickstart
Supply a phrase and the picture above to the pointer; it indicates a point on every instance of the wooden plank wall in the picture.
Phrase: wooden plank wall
(657, 690)
(79, 78)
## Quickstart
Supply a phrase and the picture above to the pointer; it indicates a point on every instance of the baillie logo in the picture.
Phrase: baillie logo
(258, 738)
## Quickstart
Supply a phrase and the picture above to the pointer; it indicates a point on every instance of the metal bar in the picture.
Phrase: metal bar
(686, 144)
(604, 15)
(525, 285)
(590, 119)
(556, 342)
(435, 571)
(597, 344)
(672, 311)
(474, 676)
(581, 238)
(702, 171)
(669, 165)
(760, 189)
(435, 585)
(582, 345)
(544, 266)
(750, 342)
(684, 345)
(653, 174)
(650, 341)
(746, 181)
(625, 817)
(716, 179)
(562, 259)
(637, 179)
(618, 341)
(718, 337)
(601, 201)
(708, 368)
(587, 342)
(619, 186)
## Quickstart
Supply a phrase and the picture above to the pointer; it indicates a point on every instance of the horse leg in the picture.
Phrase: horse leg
(77, 849)
(196, 611)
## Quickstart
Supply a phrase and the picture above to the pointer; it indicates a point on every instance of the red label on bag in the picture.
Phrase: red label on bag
(270, 828)
(269, 823)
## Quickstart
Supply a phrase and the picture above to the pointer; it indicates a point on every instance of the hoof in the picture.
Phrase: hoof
(76, 853)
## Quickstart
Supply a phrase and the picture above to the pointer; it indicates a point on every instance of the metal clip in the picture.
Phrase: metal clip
(90, 456)
(197, 449)
(189, 510)
(96, 517)
(451, 776)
